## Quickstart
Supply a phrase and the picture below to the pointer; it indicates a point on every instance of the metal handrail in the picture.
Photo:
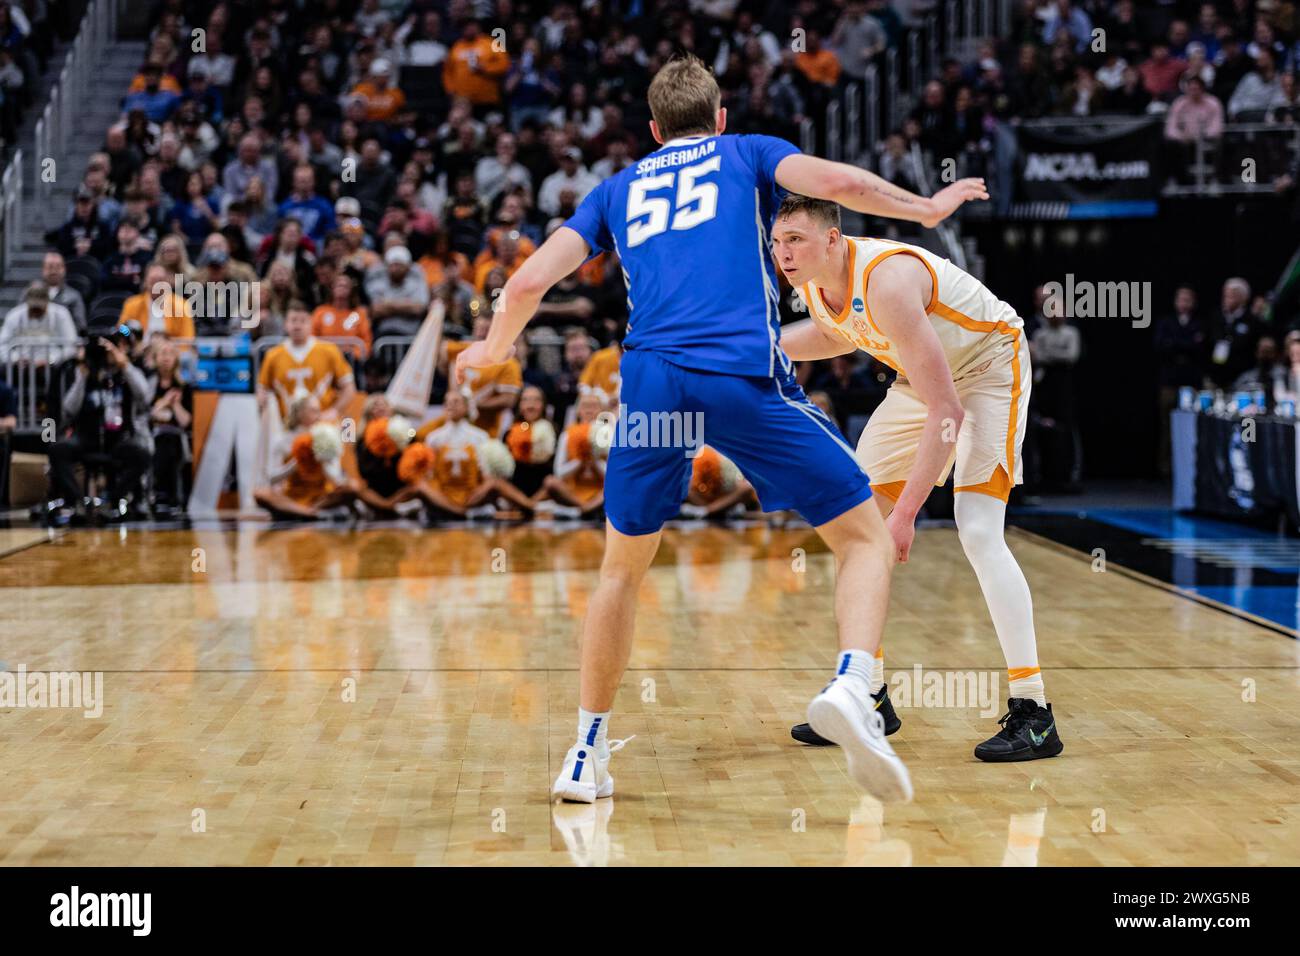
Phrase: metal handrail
(55, 125)
(12, 211)
(28, 365)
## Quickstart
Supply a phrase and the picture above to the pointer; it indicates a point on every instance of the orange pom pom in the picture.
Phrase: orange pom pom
(416, 463)
(303, 456)
(580, 442)
(520, 441)
(377, 441)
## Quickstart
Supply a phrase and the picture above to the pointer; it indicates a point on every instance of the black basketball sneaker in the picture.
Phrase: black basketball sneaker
(1028, 733)
(806, 735)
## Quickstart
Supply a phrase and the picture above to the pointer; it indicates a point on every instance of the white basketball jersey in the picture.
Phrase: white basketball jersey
(974, 326)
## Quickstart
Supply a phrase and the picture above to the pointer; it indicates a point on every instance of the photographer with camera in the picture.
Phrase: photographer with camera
(105, 413)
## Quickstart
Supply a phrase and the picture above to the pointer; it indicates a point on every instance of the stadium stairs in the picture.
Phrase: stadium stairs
(89, 121)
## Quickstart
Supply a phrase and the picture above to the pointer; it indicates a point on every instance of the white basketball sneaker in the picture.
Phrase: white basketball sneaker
(839, 715)
(585, 777)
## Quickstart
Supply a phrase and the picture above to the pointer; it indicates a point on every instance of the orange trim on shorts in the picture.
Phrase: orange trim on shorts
(966, 322)
(890, 489)
(999, 486)
(1020, 673)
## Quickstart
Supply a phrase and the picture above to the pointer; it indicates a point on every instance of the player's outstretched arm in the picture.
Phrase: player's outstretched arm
(808, 341)
(865, 192)
(559, 255)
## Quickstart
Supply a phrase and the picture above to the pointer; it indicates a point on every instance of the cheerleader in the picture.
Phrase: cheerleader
(579, 475)
(385, 439)
(464, 462)
(716, 487)
(311, 478)
(531, 440)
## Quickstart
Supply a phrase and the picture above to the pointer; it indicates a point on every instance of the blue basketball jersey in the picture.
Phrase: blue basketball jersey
(692, 225)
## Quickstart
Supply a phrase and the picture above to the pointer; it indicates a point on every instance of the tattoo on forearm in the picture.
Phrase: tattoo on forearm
(897, 197)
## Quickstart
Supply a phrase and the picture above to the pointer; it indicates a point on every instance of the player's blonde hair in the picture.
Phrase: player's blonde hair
(684, 98)
(821, 211)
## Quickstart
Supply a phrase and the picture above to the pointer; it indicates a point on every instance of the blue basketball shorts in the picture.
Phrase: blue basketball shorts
(786, 447)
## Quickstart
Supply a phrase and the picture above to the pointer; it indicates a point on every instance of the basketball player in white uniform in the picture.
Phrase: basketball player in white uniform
(961, 398)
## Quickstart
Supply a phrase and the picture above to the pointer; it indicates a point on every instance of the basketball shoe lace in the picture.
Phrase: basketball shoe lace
(1011, 723)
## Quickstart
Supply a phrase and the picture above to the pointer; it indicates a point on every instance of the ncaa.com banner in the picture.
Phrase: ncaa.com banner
(1110, 163)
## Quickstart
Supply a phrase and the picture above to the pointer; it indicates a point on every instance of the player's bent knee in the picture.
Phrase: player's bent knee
(980, 538)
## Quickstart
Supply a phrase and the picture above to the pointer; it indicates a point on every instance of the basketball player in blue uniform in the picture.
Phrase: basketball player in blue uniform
(691, 225)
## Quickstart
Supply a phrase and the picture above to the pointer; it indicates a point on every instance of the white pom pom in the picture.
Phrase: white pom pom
(495, 459)
(730, 473)
(400, 431)
(326, 442)
(543, 433)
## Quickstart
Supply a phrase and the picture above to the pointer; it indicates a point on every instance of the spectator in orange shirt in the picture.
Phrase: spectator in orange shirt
(818, 63)
(342, 316)
(508, 257)
(158, 307)
(475, 68)
(435, 262)
(383, 100)
(166, 82)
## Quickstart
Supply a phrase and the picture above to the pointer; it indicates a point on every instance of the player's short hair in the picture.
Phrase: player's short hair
(684, 98)
(821, 211)
(296, 305)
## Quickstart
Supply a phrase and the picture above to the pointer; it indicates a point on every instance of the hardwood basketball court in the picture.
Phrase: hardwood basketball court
(394, 695)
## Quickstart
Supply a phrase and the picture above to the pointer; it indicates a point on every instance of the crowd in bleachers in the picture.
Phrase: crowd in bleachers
(28, 30)
(358, 161)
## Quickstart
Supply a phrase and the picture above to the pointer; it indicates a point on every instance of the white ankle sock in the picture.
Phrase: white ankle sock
(1026, 682)
(593, 728)
(855, 665)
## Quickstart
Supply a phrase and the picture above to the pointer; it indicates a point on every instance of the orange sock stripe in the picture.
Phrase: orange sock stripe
(1020, 673)
(880, 652)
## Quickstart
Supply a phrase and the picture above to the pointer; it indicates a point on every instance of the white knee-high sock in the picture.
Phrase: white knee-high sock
(980, 520)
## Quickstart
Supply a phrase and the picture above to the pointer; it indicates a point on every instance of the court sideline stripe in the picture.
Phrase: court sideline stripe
(1162, 585)
(30, 544)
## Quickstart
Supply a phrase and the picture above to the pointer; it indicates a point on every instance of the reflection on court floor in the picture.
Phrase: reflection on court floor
(392, 695)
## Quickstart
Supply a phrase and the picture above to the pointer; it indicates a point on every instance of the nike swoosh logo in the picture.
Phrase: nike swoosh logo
(1039, 738)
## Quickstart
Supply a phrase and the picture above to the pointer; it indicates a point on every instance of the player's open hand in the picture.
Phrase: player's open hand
(902, 529)
(477, 356)
(947, 200)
